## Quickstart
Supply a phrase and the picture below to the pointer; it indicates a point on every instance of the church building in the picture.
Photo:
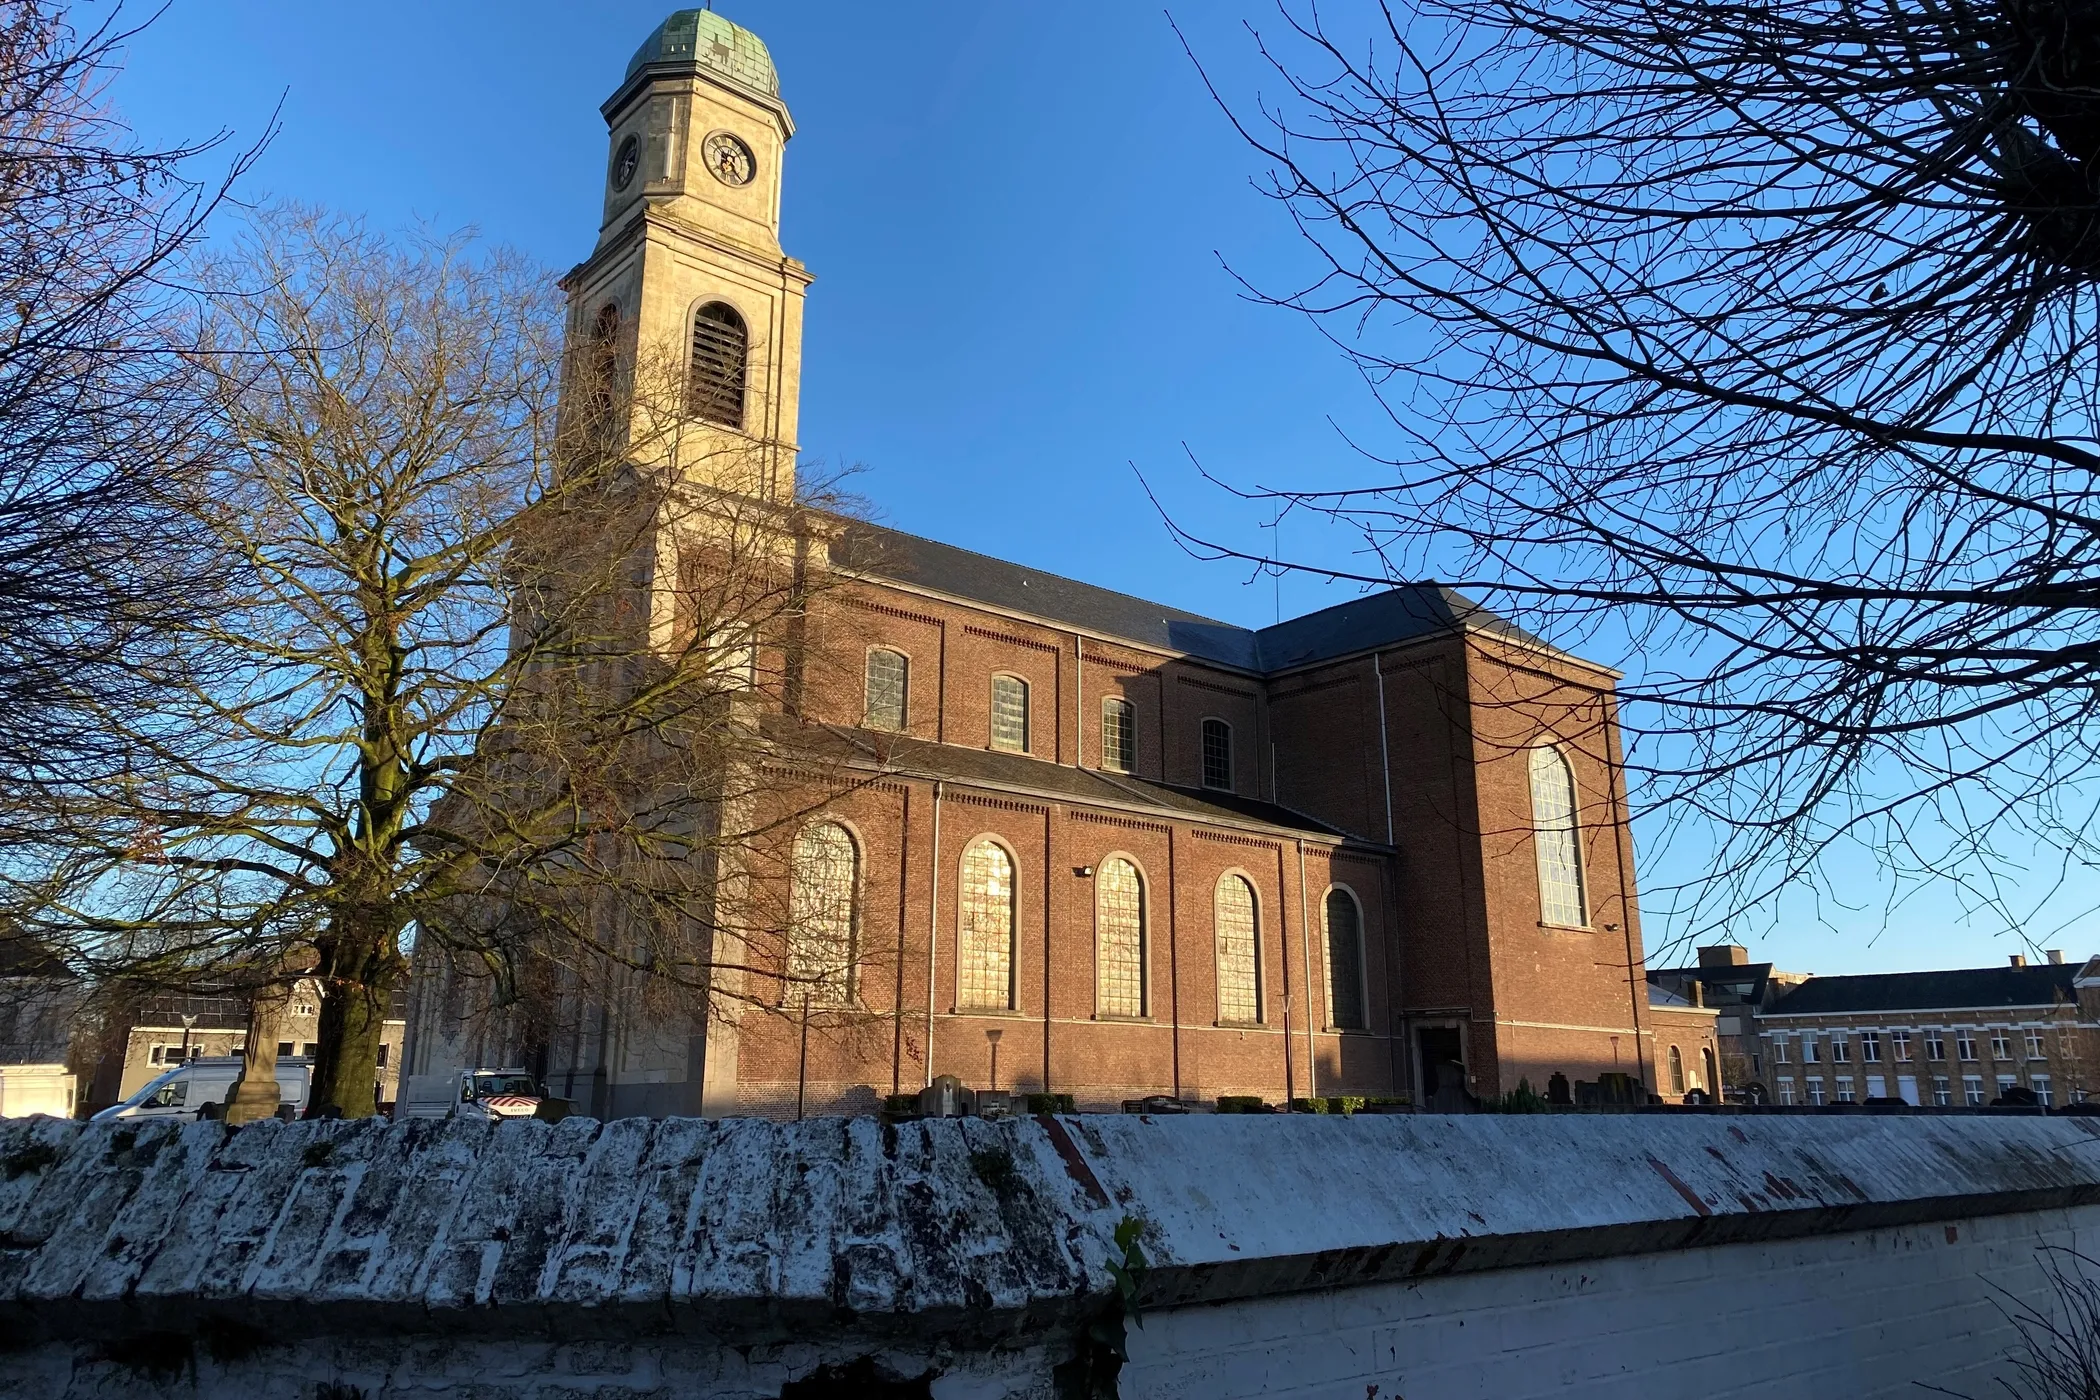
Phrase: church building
(1095, 845)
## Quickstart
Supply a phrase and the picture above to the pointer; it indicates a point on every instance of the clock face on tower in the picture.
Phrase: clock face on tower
(627, 162)
(730, 159)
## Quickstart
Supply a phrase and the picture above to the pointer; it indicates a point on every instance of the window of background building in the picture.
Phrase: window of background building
(2005, 1082)
(1217, 754)
(1965, 1045)
(1119, 939)
(1786, 1091)
(1935, 1046)
(1899, 1046)
(2034, 1045)
(714, 386)
(1779, 1051)
(1811, 1052)
(2040, 1084)
(1554, 833)
(821, 901)
(1239, 951)
(985, 950)
(1815, 1090)
(285, 1049)
(1676, 1070)
(889, 689)
(1845, 1089)
(1877, 1087)
(1118, 734)
(381, 1061)
(1010, 714)
(1941, 1097)
(1840, 1050)
(1870, 1047)
(2001, 1045)
(1972, 1089)
(1345, 962)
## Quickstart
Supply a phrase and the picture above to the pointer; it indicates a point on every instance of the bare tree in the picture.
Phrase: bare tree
(1757, 346)
(468, 675)
(93, 224)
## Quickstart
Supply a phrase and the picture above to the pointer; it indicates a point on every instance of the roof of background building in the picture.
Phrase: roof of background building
(703, 39)
(1380, 619)
(1962, 988)
(1746, 980)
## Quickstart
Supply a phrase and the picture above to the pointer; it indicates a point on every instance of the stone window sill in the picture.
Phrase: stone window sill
(1114, 1019)
(1568, 928)
(1239, 1025)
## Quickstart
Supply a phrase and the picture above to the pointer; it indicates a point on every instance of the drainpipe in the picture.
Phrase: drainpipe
(1385, 762)
(933, 927)
(1312, 1066)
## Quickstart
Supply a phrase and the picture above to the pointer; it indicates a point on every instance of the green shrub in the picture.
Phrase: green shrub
(1522, 1099)
(1241, 1103)
(1052, 1103)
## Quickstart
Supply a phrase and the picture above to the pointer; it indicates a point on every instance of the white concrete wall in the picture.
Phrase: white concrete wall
(1874, 1313)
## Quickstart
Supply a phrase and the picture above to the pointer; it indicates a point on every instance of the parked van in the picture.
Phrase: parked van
(199, 1089)
(486, 1094)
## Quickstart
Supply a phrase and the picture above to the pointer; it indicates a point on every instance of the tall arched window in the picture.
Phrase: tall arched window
(1676, 1070)
(821, 912)
(714, 386)
(1119, 939)
(1713, 1071)
(984, 977)
(1217, 754)
(889, 686)
(1010, 714)
(1239, 951)
(1554, 834)
(602, 364)
(1345, 961)
(1118, 734)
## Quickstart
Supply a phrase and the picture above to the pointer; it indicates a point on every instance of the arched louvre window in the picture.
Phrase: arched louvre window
(1345, 961)
(1217, 754)
(1239, 952)
(1118, 734)
(1010, 714)
(984, 979)
(602, 364)
(1119, 938)
(715, 379)
(1554, 834)
(889, 684)
(1676, 1070)
(820, 914)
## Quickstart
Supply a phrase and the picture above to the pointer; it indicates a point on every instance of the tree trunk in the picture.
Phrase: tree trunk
(359, 968)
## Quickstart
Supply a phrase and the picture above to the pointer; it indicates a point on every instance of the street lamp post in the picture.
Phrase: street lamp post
(993, 1037)
(182, 1056)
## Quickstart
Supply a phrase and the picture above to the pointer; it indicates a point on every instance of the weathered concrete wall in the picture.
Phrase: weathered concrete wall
(1429, 1256)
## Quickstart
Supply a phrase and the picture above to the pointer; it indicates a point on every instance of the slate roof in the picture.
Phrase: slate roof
(1380, 619)
(1751, 976)
(1013, 772)
(1972, 987)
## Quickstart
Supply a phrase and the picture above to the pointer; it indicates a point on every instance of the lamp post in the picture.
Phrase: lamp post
(182, 1056)
(993, 1037)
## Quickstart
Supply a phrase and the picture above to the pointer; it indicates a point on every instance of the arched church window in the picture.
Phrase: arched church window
(1239, 950)
(1217, 754)
(1118, 734)
(1676, 1070)
(889, 681)
(601, 364)
(1554, 834)
(1010, 714)
(1345, 961)
(1119, 939)
(715, 378)
(984, 976)
(821, 904)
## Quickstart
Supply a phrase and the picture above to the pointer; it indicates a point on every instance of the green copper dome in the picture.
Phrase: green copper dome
(703, 39)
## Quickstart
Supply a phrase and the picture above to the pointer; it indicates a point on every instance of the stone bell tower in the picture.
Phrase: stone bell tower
(688, 290)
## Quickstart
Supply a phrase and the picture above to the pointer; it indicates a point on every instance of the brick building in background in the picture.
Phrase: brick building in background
(1949, 1039)
(1122, 848)
(1736, 991)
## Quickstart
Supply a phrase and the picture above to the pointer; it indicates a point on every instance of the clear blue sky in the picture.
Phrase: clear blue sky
(1019, 216)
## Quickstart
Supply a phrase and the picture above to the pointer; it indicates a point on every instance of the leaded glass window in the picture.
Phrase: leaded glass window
(1217, 754)
(1555, 835)
(821, 913)
(1239, 956)
(1345, 961)
(889, 680)
(1118, 735)
(1119, 934)
(985, 958)
(714, 387)
(1010, 714)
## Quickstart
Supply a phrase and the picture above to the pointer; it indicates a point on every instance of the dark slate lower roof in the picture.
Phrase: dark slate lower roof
(1020, 774)
(1972, 987)
(1380, 619)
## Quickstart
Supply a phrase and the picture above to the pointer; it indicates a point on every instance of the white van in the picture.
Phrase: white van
(487, 1094)
(198, 1089)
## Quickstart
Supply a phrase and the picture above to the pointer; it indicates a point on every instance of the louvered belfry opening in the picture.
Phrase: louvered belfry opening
(721, 350)
(602, 365)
